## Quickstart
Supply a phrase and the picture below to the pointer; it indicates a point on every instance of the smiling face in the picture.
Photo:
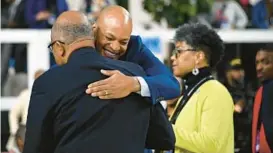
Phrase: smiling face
(112, 35)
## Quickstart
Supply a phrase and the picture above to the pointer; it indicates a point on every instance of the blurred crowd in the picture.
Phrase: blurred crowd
(226, 14)
(41, 14)
(223, 14)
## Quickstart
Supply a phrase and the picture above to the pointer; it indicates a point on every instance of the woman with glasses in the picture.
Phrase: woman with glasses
(203, 117)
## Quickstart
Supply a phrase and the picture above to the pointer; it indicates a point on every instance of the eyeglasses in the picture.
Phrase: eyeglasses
(177, 51)
(50, 46)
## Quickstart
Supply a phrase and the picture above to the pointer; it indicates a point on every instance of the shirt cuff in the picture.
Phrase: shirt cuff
(144, 88)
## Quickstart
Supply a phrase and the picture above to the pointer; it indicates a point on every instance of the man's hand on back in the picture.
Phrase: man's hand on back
(117, 85)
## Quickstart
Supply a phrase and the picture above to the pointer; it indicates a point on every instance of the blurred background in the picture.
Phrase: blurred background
(244, 25)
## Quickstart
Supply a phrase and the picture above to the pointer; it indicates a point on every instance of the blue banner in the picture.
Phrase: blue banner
(153, 43)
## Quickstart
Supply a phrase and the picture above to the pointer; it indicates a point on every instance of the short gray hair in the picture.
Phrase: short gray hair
(69, 32)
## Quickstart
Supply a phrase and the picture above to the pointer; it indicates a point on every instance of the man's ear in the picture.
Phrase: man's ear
(94, 26)
(60, 50)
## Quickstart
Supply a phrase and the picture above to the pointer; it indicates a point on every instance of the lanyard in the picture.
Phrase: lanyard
(186, 98)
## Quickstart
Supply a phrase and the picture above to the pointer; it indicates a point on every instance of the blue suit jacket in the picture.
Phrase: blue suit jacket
(63, 119)
(162, 84)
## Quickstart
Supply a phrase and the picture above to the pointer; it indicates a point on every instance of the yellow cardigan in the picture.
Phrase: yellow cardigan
(205, 125)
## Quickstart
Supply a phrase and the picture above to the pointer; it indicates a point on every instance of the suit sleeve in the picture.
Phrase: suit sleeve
(160, 133)
(39, 133)
(161, 82)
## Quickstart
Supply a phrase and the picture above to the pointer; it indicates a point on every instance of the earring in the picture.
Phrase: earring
(195, 71)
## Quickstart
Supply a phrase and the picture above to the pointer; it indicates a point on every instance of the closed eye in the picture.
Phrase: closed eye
(124, 42)
(109, 38)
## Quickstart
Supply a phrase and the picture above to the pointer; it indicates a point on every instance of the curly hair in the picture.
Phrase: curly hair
(200, 37)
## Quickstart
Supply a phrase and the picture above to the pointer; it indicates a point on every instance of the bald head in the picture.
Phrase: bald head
(70, 32)
(115, 16)
(112, 31)
(71, 26)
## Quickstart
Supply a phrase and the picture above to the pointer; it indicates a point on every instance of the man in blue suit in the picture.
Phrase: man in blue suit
(112, 32)
(63, 119)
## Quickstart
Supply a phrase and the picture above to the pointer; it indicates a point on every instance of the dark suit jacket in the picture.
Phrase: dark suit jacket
(267, 112)
(63, 119)
(162, 84)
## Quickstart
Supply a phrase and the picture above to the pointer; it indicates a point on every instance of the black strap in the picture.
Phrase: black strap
(186, 98)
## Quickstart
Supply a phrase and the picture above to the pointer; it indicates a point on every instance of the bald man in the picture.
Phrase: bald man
(63, 119)
(112, 32)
